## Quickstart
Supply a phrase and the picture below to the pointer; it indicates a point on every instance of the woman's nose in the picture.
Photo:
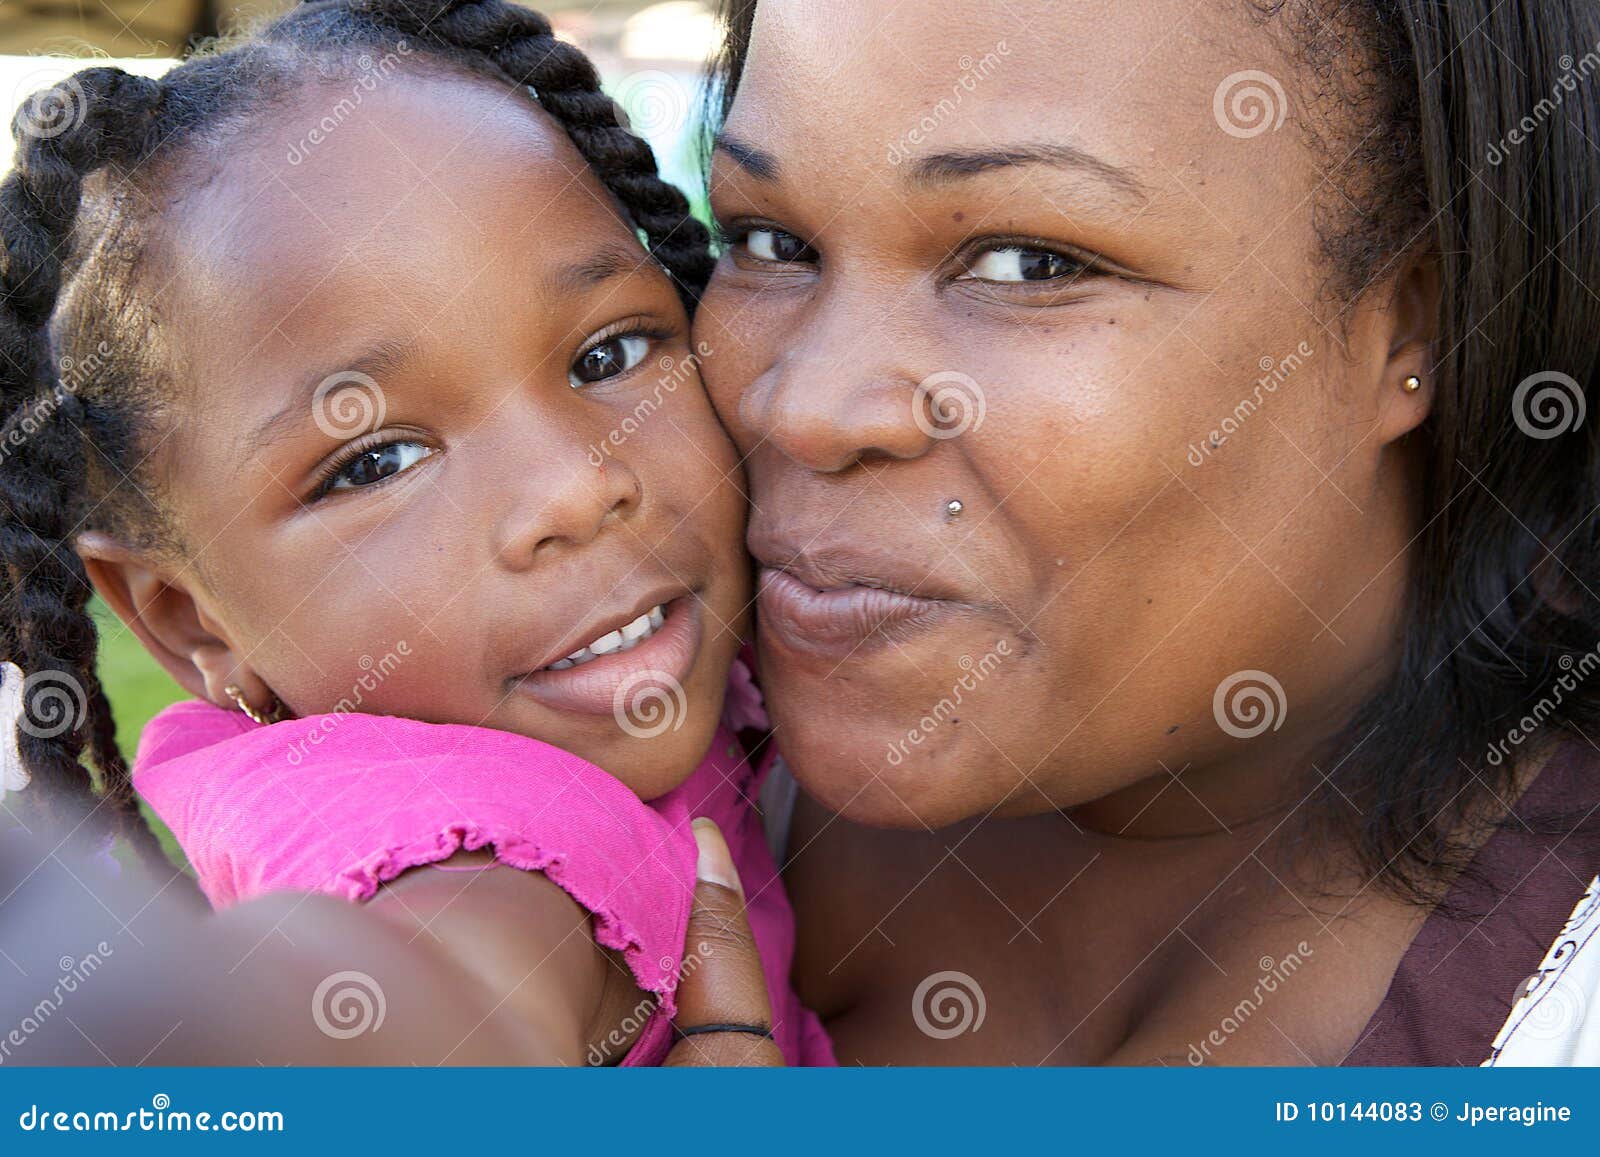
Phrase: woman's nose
(564, 503)
(828, 418)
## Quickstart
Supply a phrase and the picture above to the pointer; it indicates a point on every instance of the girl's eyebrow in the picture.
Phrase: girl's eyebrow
(385, 358)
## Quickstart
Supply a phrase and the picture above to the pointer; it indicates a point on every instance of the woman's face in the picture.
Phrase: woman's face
(1058, 468)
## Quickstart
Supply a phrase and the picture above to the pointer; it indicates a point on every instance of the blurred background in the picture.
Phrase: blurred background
(649, 54)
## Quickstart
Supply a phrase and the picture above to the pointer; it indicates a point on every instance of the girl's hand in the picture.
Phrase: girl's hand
(722, 978)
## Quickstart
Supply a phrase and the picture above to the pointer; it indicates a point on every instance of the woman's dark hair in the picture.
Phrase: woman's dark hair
(1461, 132)
(82, 377)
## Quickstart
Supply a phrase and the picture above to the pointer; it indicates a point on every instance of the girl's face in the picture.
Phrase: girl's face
(1055, 458)
(438, 428)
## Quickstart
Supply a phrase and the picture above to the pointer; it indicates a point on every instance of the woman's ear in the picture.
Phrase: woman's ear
(1409, 328)
(162, 612)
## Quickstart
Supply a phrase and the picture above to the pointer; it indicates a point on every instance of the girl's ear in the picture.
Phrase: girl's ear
(165, 617)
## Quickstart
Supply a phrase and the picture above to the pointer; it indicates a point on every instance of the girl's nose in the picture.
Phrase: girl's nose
(566, 503)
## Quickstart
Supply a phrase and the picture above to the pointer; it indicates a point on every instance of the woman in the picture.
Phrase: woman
(1175, 513)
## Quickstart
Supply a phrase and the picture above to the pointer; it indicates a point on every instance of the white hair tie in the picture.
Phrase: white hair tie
(13, 776)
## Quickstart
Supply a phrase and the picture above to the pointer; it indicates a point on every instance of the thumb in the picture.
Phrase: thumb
(722, 981)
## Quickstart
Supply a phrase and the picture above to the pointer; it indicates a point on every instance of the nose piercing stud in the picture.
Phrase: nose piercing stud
(953, 507)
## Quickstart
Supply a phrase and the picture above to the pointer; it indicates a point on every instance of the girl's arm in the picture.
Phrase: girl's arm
(143, 974)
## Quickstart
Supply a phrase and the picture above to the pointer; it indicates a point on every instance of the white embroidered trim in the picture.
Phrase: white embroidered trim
(13, 776)
(1551, 1023)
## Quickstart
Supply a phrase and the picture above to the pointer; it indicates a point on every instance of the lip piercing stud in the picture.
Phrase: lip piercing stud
(1412, 384)
(953, 507)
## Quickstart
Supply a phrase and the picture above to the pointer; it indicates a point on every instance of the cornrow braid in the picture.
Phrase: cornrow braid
(521, 44)
(81, 372)
(46, 628)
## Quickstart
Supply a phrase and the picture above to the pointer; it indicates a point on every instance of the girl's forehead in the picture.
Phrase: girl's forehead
(423, 187)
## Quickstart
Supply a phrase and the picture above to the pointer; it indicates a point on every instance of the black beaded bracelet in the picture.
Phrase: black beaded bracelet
(697, 1029)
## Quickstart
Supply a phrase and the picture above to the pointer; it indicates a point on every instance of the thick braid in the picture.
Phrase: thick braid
(520, 43)
(47, 629)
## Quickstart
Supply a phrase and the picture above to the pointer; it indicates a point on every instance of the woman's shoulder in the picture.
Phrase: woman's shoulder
(1475, 958)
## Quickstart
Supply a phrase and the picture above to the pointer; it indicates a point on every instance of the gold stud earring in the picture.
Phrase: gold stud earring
(273, 714)
(1412, 384)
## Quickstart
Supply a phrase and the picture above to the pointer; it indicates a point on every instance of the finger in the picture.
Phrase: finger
(722, 981)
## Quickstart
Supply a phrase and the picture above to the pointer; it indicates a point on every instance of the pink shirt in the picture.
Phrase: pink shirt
(341, 803)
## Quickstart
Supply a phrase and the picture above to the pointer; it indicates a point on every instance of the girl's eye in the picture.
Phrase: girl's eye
(376, 464)
(607, 359)
(776, 245)
(1018, 264)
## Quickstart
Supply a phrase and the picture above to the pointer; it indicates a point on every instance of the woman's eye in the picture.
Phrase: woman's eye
(607, 359)
(378, 463)
(776, 245)
(1015, 263)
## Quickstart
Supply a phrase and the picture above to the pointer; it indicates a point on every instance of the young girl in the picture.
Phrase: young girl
(308, 348)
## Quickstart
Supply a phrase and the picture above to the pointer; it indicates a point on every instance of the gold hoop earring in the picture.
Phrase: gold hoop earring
(273, 714)
(1412, 384)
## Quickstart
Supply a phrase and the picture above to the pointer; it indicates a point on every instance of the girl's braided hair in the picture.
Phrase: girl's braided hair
(81, 371)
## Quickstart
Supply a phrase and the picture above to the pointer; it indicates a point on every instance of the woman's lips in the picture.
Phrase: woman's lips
(592, 688)
(839, 619)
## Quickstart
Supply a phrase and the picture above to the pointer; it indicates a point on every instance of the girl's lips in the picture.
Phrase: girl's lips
(592, 688)
(839, 620)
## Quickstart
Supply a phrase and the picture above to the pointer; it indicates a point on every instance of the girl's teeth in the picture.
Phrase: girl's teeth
(622, 639)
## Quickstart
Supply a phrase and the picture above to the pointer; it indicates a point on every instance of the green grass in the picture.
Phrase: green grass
(134, 682)
(138, 688)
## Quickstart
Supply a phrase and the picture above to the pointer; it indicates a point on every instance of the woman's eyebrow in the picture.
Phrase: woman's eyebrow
(941, 168)
(758, 163)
